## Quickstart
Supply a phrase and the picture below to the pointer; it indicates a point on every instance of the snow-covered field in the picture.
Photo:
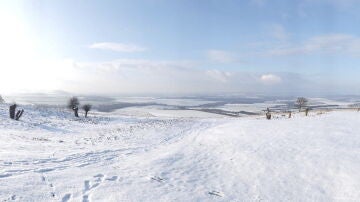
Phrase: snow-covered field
(156, 111)
(51, 156)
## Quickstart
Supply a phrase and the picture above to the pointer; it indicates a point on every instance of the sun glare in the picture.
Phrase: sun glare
(22, 68)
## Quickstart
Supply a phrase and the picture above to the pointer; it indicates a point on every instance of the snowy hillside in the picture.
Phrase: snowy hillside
(51, 156)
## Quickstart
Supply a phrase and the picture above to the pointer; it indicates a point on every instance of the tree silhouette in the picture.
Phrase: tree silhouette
(74, 105)
(301, 102)
(268, 114)
(86, 108)
(13, 115)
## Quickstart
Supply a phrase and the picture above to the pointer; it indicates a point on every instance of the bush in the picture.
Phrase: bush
(268, 114)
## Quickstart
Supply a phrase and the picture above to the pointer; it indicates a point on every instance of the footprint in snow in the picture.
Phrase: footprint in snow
(86, 198)
(51, 186)
(113, 178)
(158, 179)
(86, 185)
(66, 198)
(99, 178)
(11, 198)
(216, 193)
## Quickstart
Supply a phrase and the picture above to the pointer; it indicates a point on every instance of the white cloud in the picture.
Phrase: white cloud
(141, 76)
(221, 56)
(133, 76)
(119, 47)
(147, 76)
(270, 79)
(334, 43)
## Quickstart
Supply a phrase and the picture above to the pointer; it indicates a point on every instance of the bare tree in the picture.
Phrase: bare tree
(301, 102)
(12, 110)
(1, 100)
(74, 105)
(86, 108)
(19, 113)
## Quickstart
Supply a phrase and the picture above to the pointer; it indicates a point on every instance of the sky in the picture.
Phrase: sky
(277, 47)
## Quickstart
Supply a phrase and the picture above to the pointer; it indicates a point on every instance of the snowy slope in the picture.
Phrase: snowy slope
(51, 156)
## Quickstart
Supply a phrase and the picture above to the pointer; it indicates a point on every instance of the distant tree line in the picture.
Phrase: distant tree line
(73, 104)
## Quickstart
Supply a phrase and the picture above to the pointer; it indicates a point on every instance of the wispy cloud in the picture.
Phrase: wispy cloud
(119, 47)
(222, 76)
(176, 77)
(305, 6)
(145, 76)
(277, 31)
(334, 43)
(221, 56)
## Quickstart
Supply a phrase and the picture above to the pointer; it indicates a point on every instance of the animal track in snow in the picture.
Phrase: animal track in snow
(158, 179)
(51, 186)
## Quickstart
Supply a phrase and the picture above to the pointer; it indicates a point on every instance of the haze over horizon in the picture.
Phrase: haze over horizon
(304, 47)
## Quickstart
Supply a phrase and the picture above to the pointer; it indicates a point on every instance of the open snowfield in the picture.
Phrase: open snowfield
(51, 156)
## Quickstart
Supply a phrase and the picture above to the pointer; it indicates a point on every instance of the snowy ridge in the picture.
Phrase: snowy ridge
(51, 156)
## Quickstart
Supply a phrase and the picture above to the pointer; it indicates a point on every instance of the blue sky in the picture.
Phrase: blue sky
(157, 46)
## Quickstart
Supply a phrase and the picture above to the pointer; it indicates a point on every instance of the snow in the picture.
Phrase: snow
(51, 156)
(160, 111)
(255, 107)
(165, 101)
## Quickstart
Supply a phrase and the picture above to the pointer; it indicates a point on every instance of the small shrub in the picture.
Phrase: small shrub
(307, 111)
(268, 114)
